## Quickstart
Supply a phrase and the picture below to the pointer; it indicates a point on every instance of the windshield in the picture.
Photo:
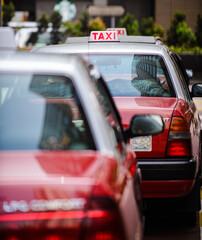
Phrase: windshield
(134, 75)
(41, 112)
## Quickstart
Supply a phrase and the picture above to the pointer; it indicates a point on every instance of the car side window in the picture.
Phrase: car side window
(181, 66)
(134, 75)
(151, 76)
(182, 77)
(42, 112)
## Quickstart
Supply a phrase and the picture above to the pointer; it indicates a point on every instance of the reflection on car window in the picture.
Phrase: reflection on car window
(134, 75)
(42, 112)
(111, 114)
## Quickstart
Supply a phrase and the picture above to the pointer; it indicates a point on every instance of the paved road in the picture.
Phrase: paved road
(171, 227)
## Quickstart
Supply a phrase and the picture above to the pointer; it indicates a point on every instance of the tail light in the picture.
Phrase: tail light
(179, 140)
(101, 221)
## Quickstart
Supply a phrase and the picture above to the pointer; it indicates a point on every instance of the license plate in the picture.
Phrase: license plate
(143, 144)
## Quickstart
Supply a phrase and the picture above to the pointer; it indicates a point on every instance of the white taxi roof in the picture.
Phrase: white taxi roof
(82, 46)
(101, 44)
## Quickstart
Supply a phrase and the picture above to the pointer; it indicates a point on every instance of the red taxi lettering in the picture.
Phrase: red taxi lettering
(94, 35)
(108, 35)
(104, 36)
(120, 31)
(101, 36)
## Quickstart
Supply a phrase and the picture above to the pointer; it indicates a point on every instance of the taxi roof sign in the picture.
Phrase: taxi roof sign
(120, 31)
(104, 36)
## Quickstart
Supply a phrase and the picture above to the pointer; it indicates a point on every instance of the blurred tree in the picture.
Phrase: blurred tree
(84, 20)
(32, 39)
(131, 25)
(56, 20)
(72, 29)
(179, 34)
(42, 23)
(199, 30)
(150, 28)
(42, 26)
(96, 24)
(8, 12)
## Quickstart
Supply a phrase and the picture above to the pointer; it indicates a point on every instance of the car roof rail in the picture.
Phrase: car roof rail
(126, 39)
(137, 39)
(141, 39)
(159, 40)
(72, 40)
(7, 39)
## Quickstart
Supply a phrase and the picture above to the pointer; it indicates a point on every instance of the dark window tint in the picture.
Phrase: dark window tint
(183, 79)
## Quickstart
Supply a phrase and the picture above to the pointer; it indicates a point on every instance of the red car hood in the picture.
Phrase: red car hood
(130, 106)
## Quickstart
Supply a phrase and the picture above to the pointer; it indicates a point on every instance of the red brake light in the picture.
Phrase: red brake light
(101, 236)
(53, 237)
(12, 238)
(108, 226)
(179, 141)
(178, 148)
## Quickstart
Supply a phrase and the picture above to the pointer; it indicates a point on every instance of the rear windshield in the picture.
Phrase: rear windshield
(134, 75)
(41, 112)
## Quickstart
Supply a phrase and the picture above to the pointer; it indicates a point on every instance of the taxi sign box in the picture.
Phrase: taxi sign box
(98, 36)
(120, 31)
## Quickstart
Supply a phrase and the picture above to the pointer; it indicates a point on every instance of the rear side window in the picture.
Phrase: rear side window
(41, 112)
(182, 76)
(134, 75)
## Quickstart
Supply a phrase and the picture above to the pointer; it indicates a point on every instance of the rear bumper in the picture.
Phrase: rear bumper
(166, 189)
(167, 178)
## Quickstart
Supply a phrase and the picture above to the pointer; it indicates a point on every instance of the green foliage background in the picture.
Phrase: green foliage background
(179, 36)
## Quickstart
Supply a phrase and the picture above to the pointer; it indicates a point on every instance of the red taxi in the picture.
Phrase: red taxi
(66, 171)
(144, 76)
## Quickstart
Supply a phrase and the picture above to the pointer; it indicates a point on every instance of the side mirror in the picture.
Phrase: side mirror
(197, 90)
(144, 125)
